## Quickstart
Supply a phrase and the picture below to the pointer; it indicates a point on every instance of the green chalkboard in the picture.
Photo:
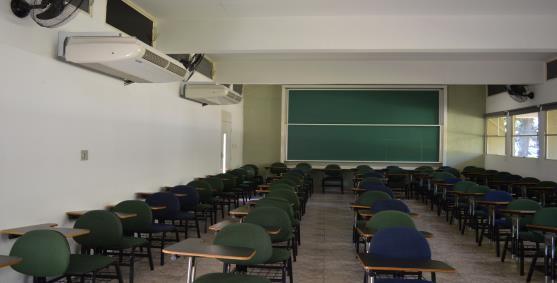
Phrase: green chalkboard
(363, 125)
(350, 106)
(363, 143)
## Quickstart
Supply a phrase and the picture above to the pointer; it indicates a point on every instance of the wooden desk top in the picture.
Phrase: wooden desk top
(111, 206)
(220, 225)
(371, 263)
(67, 232)
(543, 228)
(368, 214)
(6, 261)
(518, 212)
(240, 211)
(356, 205)
(465, 194)
(197, 248)
(493, 203)
(366, 233)
(263, 191)
(78, 213)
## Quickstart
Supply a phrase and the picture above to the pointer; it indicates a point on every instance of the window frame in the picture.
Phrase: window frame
(546, 134)
(513, 135)
(504, 136)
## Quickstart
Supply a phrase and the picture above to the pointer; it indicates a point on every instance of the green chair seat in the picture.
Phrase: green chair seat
(531, 236)
(279, 255)
(82, 264)
(230, 278)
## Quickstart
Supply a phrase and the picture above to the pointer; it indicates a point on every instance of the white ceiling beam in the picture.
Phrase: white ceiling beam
(455, 33)
(379, 72)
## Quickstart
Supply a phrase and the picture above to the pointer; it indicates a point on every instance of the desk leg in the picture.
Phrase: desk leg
(191, 270)
(546, 259)
(370, 278)
(552, 258)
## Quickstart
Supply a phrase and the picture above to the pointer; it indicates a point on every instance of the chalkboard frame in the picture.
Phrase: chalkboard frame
(442, 90)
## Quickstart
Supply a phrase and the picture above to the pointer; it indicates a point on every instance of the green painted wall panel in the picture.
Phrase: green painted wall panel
(363, 143)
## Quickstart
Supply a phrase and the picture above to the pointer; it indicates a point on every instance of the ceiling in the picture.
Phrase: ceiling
(210, 9)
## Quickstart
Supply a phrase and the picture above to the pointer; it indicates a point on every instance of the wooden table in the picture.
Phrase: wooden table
(549, 264)
(78, 213)
(154, 208)
(67, 232)
(193, 248)
(6, 261)
(220, 225)
(491, 206)
(368, 214)
(371, 264)
(516, 215)
(240, 212)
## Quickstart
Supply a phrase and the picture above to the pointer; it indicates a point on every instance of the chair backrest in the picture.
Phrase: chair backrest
(282, 186)
(288, 195)
(369, 197)
(270, 217)
(390, 204)
(451, 170)
(278, 168)
(388, 219)
(424, 169)
(279, 203)
(306, 167)
(252, 170)
(400, 244)
(167, 199)
(498, 196)
(333, 170)
(380, 187)
(105, 229)
(43, 253)
(246, 235)
(287, 181)
(441, 176)
(216, 184)
(530, 180)
(139, 223)
(191, 199)
(546, 216)
(296, 172)
(463, 186)
(525, 204)
(478, 189)
(200, 184)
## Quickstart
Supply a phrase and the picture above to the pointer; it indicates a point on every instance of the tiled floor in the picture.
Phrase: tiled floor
(326, 254)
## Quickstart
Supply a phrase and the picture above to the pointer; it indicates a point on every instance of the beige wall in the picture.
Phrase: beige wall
(465, 125)
(262, 118)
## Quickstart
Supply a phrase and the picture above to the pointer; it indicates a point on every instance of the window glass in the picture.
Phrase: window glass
(525, 135)
(496, 128)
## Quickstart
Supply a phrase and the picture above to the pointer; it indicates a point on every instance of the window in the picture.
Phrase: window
(224, 154)
(496, 129)
(525, 135)
(551, 134)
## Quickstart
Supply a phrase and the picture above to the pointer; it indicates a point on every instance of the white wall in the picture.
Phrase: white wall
(539, 168)
(139, 137)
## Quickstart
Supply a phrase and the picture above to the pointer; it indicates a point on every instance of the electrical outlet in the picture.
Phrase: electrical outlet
(84, 155)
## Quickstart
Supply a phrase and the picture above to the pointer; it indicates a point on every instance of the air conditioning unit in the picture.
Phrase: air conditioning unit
(212, 94)
(122, 57)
